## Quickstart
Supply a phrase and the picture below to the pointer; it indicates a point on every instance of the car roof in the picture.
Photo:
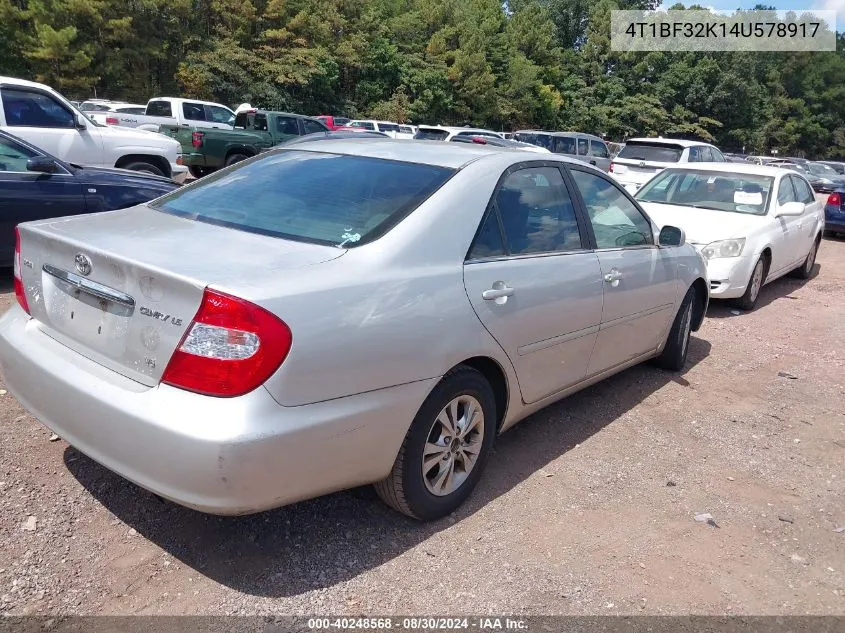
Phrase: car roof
(668, 141)
(455, 128)
(734, 168)
(24, 82)
(438, 153)
(567, 133)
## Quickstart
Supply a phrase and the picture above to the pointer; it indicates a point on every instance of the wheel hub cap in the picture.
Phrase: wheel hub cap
(453, 445)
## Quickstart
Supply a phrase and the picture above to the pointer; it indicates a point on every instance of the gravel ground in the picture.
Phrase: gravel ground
(589, 507)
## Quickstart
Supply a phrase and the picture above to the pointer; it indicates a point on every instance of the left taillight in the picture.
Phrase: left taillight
(196, 139)
(18, 279)
(230, 348)
(112, 120)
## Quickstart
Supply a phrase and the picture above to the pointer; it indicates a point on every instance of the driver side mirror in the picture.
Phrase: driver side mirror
(671, 236)
(790, 208)
(42, 164)
(80, 122)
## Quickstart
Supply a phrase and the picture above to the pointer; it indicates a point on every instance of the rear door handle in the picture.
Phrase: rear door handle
(592, 162)
(500, 290)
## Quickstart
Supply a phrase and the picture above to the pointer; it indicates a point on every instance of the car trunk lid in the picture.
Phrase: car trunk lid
(121, 288)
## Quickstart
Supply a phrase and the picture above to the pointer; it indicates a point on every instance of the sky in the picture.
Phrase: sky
(728, 5)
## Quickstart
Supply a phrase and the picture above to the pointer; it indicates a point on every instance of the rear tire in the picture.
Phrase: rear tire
(434, 471)
(148, 168)
(197, 171)
(235, 158)
(805, 270)
(674, 354)
(755, 283)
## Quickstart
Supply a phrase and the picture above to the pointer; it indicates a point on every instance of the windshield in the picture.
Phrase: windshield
(720, 191)
(315, 197)
(820, 169)
(651, 152)
(430, 134)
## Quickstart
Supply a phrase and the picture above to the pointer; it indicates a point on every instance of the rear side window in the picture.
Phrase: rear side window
(193, 111)
(583, 146)
(652, 152)
(34, 109)
(539, 139)
(159, 108)
(317, 197)
(564, 145)
(430, 134)
(388, 127)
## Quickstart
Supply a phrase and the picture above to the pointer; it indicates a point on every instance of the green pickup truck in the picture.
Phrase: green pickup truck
(205, 150)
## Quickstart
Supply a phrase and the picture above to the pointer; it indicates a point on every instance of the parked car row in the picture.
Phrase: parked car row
(551, 276)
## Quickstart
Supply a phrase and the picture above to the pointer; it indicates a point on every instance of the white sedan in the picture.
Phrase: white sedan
(751, 223)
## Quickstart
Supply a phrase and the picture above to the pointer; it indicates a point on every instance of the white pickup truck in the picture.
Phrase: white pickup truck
(173, 112)
(40, 115)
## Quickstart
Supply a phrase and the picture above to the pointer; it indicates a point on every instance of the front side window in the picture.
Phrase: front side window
(803, 190)
(193, 111)
(704, 189)
(616, 221)
(364, 125)
(704, 155)
(13, 156)
(598, 149)
(309, 196)
(220, 115)
(718, 157)
(312, 127)
(536, 215)
(35, 109)
(786, 192)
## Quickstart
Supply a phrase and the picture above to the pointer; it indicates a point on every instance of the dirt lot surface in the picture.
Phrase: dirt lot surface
(589, 507)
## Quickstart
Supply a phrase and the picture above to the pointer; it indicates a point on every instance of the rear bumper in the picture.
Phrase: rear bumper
(192, 160)
(217, 455)
(834, 219)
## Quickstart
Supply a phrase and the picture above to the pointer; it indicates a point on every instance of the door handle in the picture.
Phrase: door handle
(592, 162)
(613, 277)
(498, 293)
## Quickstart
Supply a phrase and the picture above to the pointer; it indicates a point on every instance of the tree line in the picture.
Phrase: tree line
(543, 64)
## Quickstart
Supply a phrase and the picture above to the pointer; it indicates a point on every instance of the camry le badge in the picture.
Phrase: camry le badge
(83, 264)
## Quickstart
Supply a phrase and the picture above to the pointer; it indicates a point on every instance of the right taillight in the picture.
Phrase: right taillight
(196, 139)
(610, 168)
(231, 347)
(835, 199)
(112, 120)
(17, 274)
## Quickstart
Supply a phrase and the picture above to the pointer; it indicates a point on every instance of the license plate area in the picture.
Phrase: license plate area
(92, 314)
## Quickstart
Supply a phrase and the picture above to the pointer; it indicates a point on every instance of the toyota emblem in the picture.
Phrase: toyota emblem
(83, 264)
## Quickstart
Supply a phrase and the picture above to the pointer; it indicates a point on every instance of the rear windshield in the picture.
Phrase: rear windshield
(652, 152)
(430, 134)
(309, 196)
(159, 108)
(539, 139)
(388, 127)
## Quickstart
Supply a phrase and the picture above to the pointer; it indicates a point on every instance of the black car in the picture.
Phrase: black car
(36, 186)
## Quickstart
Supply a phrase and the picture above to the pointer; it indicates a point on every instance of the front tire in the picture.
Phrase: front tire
(805, 270)
(674, 354)
(752, 292)
(446, 448)
(142, 166)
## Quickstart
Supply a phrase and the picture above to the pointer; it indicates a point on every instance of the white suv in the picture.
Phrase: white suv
(40, 115)
(642, 158)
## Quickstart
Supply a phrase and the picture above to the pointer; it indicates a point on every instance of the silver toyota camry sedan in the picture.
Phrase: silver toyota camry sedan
(340, 313)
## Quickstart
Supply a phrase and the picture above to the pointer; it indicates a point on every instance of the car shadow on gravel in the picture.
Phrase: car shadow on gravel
(779, 289)
(320, 543)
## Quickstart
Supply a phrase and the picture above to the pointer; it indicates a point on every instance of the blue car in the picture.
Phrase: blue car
(834, 213)
(35, 186)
